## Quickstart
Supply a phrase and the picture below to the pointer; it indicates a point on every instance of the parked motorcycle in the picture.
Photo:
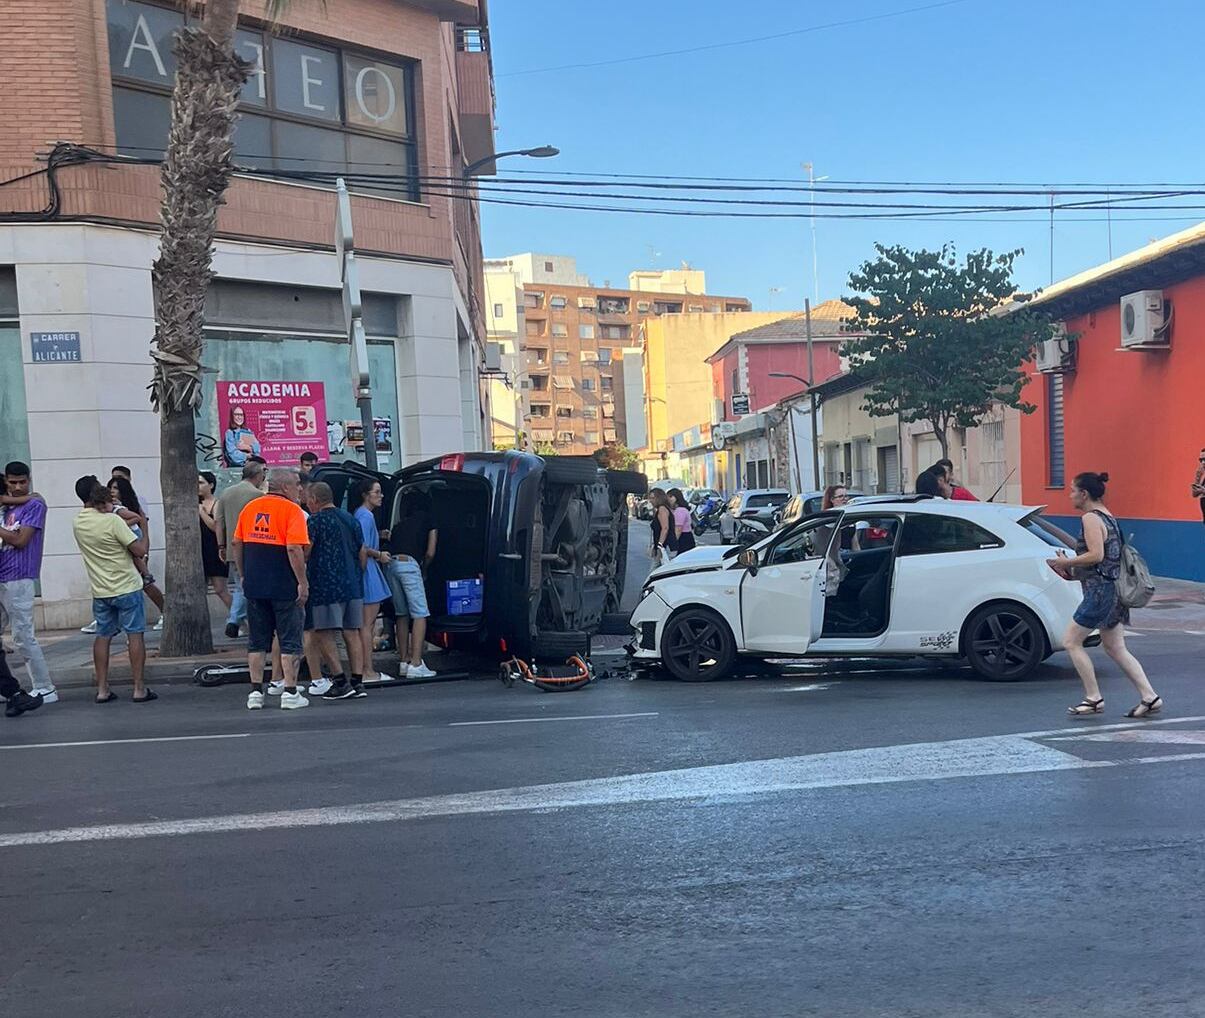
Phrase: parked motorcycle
(707, 515)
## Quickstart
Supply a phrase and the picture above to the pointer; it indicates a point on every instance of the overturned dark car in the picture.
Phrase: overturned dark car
(541, 539)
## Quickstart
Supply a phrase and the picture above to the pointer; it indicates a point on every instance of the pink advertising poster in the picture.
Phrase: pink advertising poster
(276, 420)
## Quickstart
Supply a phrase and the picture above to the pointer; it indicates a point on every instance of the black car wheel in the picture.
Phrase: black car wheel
(697, 646)
(557, 647)
(571, 469)
(1003, 642)
(628, 482)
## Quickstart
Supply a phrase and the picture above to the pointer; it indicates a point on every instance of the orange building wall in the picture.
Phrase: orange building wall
(1140, 415)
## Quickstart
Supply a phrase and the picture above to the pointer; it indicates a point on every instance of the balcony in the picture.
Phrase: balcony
(475, 80)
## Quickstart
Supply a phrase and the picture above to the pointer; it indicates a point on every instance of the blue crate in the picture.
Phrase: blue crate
(465, 597)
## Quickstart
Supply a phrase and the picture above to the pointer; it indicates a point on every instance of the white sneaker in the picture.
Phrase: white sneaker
(276, 687)
(89, 628)
(319, 687)
(159, 625)
(255, 700)
(419, 671)
(293, 701)
(48, 695)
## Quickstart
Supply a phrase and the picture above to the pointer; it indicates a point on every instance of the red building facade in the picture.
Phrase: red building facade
(1108, 402)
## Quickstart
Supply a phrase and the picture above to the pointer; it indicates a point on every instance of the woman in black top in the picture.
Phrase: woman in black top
(662, 526)
(1097, 566)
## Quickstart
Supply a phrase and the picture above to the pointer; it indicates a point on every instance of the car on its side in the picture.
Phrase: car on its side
(913, 576)
(546, 536)
(750, 503)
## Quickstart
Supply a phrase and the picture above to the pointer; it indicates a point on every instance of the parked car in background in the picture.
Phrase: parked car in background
(547, 538)
(897, 578)
(750, 503)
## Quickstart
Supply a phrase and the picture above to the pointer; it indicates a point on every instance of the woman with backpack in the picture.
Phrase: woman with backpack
(1097, 565)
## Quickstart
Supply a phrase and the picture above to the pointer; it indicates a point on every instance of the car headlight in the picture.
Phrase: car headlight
(645, 591)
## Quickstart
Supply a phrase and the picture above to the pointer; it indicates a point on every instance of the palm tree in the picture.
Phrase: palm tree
(196, 171)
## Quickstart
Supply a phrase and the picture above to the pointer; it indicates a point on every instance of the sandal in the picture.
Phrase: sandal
(1086, 706)
(150, 695)
(107, 699)
(1145, 708)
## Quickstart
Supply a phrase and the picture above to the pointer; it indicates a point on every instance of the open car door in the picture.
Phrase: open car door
(782, 601)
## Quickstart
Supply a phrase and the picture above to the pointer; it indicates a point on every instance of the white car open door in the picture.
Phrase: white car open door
(782, 601)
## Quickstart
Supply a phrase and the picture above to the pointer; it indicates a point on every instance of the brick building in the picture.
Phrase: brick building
(575, 337)
(402, 89)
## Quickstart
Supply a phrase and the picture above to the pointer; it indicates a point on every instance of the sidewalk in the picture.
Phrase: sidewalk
(69, 656)
(1178, 606)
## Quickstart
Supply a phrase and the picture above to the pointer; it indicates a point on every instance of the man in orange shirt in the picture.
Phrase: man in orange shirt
(269, 551)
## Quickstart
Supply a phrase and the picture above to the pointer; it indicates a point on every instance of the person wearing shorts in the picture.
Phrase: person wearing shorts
(412, 543)
(336, 603)
(270, 543)
(109, 548)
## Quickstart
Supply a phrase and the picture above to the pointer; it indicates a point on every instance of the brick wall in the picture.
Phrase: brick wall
(56, 84)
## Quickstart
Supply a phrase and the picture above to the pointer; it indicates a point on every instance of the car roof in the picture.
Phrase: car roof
(945, 507)
(763, 491)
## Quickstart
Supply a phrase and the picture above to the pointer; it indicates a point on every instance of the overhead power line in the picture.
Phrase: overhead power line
(846, 23)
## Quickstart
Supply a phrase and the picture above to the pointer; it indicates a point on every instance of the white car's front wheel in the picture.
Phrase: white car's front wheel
(697, 646)
(1003, 642)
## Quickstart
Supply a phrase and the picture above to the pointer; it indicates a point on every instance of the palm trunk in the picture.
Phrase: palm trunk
(195, 174)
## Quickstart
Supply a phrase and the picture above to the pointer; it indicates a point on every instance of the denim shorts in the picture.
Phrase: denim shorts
(405, 581)
(266, 619)
(124, 614)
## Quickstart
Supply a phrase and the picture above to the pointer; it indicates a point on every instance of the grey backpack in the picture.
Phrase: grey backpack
(1135, 587)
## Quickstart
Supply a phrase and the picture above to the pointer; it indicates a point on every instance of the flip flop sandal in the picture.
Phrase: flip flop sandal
(1146, 708)
(150, 695)
(107, 699)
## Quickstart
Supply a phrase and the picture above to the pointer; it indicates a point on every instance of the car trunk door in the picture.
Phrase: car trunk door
(782, 606)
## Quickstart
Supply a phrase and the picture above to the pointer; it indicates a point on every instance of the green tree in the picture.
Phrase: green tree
(937, 345)
(196, 170)
(617, 457)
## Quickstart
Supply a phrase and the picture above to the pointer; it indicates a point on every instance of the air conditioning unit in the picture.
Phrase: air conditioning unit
(1145, 321)
(642, 305)
(586, 302)
(1056, 355)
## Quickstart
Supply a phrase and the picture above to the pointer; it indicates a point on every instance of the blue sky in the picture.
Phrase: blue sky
(982, 90)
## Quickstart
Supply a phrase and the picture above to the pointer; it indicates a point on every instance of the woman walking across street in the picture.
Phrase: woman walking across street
(662, 526)
(217, 572)
(1097, 565)
(683, 525)
(376, 589)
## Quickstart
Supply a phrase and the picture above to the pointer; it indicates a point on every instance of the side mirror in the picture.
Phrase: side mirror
(747, 559)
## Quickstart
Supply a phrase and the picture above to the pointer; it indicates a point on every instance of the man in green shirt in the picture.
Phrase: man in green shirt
(109, 548)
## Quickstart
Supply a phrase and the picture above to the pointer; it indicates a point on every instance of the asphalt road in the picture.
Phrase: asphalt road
(847, 840)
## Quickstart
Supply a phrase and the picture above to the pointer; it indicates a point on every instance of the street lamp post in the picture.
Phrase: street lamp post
(812, 181)
(540, 152)
(807, 311)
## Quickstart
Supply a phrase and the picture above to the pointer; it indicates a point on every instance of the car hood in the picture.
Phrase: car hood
(696, 560)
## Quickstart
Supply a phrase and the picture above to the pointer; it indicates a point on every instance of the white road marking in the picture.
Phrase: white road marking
(1167, 736)
(926, 761)
(122, 742)
(566, 717)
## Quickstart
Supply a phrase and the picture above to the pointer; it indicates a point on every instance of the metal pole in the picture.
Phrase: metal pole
(794, 446)
(807, 319)
(815, 268)
(364, 402)
(1052, 238)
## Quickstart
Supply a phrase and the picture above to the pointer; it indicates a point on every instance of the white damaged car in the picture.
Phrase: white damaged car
(895, 578)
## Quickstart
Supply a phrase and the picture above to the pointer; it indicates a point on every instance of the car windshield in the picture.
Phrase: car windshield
(761, 501)
(1042, 528)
